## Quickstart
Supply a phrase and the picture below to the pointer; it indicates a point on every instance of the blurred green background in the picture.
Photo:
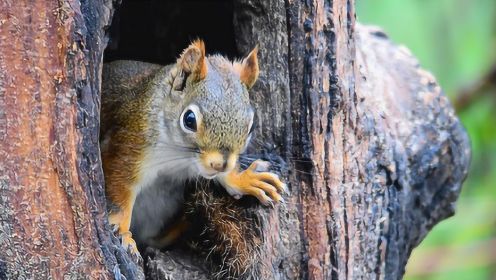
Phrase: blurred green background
(456, 41)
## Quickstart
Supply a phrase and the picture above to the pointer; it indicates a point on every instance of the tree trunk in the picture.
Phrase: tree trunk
(373, 152)
(52, 205)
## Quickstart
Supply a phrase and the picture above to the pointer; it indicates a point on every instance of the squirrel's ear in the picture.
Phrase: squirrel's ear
(249, 69)
(193, 61)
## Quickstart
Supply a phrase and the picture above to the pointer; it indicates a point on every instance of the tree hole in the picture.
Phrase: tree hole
(158, 30)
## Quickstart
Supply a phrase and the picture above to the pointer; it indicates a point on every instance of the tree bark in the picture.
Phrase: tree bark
(376, 156)
(52, 204)
(372, 150)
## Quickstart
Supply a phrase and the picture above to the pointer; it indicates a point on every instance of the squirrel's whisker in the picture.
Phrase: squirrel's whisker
(173, 146)
(167, 160)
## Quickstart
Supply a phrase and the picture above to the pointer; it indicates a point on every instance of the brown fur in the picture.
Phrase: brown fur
(125, 139)
(248, 69)
(193, 60)
(227, 233)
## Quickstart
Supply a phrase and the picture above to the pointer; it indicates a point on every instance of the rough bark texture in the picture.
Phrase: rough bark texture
(373, 152)
(52, 205)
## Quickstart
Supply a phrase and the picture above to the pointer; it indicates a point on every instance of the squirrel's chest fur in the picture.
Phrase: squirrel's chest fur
(156, 208)
(160, 187)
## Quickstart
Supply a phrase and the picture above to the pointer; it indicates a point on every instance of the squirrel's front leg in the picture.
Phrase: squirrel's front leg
(255, 181)
(122, 217)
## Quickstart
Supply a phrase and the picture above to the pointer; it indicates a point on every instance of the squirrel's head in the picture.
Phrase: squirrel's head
(216, 116)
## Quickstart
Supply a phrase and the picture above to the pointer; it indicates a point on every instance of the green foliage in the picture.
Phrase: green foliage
(452, 38)
(456, 40)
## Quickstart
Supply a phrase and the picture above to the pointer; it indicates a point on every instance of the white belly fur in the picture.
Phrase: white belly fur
(155, 208)
(160, 193)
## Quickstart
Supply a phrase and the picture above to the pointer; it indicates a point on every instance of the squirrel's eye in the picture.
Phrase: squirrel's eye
(189, 120)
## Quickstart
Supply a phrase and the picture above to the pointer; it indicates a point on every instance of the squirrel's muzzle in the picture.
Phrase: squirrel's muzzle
(219, 165)
(215, 161)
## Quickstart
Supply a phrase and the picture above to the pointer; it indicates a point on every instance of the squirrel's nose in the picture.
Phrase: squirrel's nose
(219, 165)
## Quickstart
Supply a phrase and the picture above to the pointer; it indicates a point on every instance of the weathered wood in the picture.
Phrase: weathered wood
(373, 152)
(173, 265)
(376, 155)
(52, 205)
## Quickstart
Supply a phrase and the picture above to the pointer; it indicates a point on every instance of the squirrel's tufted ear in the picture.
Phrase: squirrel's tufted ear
(248, 71)
(193, 61)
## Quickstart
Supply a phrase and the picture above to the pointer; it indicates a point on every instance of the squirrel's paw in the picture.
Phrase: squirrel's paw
(129, 244)
(126, 236)
(256, 181)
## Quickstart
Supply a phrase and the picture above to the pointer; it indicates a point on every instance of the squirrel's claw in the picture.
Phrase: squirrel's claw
(116, 221)
(257, 182)
(130, 245)
(285, 189)
(273, 180)
(114, 228)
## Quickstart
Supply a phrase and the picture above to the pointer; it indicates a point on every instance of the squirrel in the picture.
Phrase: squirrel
(162, 126)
